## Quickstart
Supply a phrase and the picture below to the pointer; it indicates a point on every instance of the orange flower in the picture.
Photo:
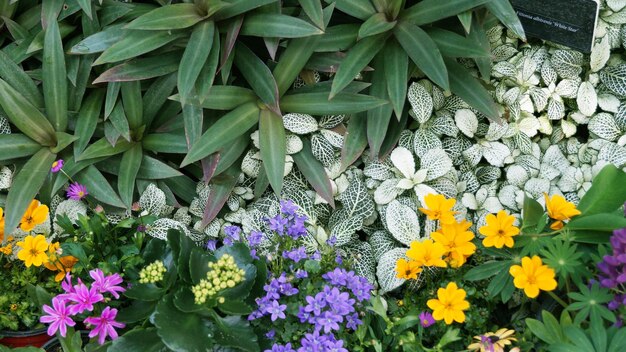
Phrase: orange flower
(457, 241)
(439, 208)
(499, 230)
(560, 210)
(1, 225)
(36, 214)
(63, 265)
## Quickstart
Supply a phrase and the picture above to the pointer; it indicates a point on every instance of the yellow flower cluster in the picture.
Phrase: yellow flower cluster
(450, 244)
(450, 304)
(223, 274)
(152, 273)
(8, 248)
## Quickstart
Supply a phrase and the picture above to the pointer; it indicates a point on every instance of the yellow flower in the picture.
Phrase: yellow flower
(6, 250)
(533, 276)
(407, 269)
(559, 209)
(450, 304)
(457, 241)
(36, 214)
(63, 265)
(439, 208)
(33, 250)
(427, 253)
(1, 225)
(493, 341)
(499, 230)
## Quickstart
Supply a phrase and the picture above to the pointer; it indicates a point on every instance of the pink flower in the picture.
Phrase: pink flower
(57, 166)
(84, 298)
(106, 283)
(76, 191)
(104, 325)
(426, 319)
(59, 316)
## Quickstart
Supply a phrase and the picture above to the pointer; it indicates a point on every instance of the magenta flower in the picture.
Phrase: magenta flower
(104, 325)
(59, 316)
(426, 319)
(76, 191)
(57, 166)
(106, 283)
(84, 298)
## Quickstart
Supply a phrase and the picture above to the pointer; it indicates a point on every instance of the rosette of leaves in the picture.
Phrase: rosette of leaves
(164, 314)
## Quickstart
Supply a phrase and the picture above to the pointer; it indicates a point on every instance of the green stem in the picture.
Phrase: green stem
(558, 299)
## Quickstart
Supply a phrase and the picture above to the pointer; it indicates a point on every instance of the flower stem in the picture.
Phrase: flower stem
(558, 299)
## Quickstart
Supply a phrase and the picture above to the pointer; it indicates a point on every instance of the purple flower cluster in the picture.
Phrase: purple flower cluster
(270, 304)
(288, 222)
(613, 268)
(78, 299)
(358, 285)
(313, 342)
(296, 254)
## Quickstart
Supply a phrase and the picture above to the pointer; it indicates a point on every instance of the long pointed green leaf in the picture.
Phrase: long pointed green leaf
(113, 90)
(155, 169)
(479, 35)
(463, 84)
(165, 143)
(396, 74)
(25, 186)
(176, 16)
(379, 117)
(313, 9)
(223, 98)
(54, 78)
(136, 43)
(337, 38)
(314, 172)
(230, 155)
(277, 25)
(361, 9)
(239, 7)
(98, 187)
(453, 45)
(193, 123)
(376, 24)
(86, 6)
(195, 56)
(88, 120)
(221, 189)
(26, 117)
(100, 41)
(358, 57)
(15, 145)
(102, 147)
(16, 77)
(207, 74)
(257, 74)
(394, 130)
(429, 11)
(225, 130)
(292, 61)
(119, 120)
(133, 103)
(129, 166)
(318, 103)
(355, 140)
(272, 142)
(423, 52)
(140, 69)
(504, 11)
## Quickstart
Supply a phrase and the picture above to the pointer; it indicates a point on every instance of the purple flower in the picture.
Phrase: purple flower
(296, 255)
(338, 259)
(66, 284)
(141, 228)
(296, 227)
(276, 310)
(278, 224)
(253, 254)
(313, 342)
(426, 319)
(84, 298)
(76, 191)
(59, 316)
(232, 232)
(316, 255)
(315, 304)
(255, 238)
(281, 348)
(104, 325)
(270, 334)
(332, 241)
(353, 321)
(211, 245)
(288, 207)
(329, 321)
(57, 166)
(107, 283)
(335, 346)
(301, 274)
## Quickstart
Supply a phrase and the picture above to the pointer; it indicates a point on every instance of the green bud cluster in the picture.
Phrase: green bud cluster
(152, 273)
(223, 274)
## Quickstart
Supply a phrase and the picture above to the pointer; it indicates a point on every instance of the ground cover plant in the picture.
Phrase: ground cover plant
(421, 162)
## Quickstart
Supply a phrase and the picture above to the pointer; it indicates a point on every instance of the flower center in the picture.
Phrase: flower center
(532, 280)
(437, 214)
(34, 252)
(500, 232)
(81, 194)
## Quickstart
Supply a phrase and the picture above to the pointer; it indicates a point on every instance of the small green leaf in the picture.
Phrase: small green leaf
(223, 98)
(396, 74)
(318, 103)
(136, 43)
(532, 213)
(224, 131)
(423, 52)
(195, 56)
(314, 172)
(25, 186)
(100, 41)
(486, 270)
(357, 58)
(376, 24)
(257, 74)
(313, 9)
(273, 147)
(143, 68)
(113, 90)
(131, 98)
(102, 147)
(176, 16)
(138, 339)
(278, 26)
(26, 117)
